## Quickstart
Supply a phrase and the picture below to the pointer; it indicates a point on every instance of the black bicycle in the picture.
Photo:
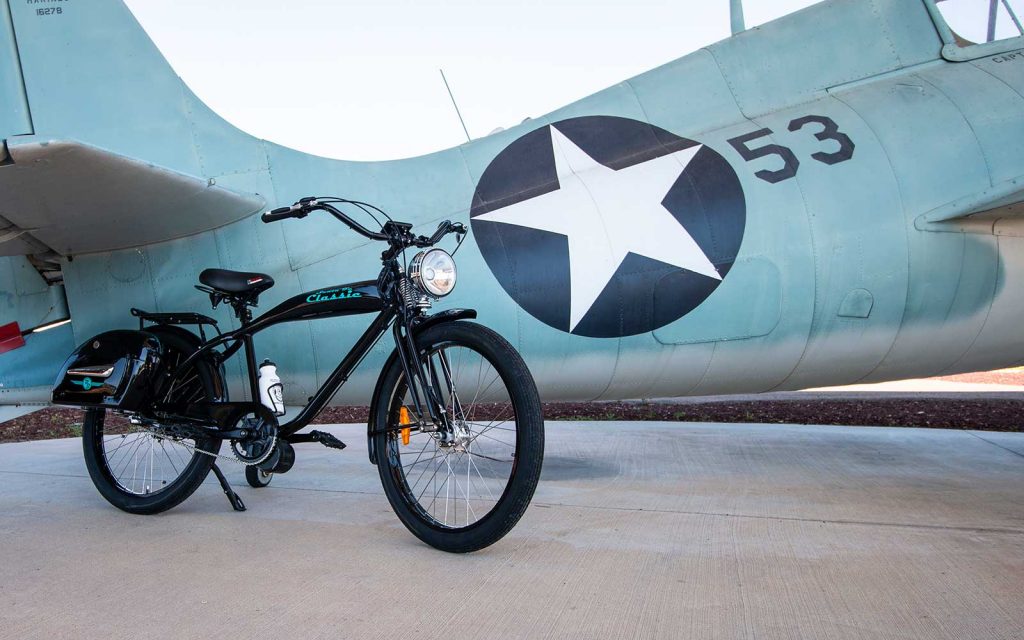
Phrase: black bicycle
(455, 425)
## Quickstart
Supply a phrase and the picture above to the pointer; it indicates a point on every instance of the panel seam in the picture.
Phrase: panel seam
(21, 70)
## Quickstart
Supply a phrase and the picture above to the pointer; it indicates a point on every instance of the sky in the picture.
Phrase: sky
(969, 18)
(360, 81)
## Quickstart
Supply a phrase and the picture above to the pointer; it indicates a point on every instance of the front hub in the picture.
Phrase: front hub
(457, 438)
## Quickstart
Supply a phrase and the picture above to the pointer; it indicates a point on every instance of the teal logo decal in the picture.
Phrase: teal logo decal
(86, 383)
(333, 294)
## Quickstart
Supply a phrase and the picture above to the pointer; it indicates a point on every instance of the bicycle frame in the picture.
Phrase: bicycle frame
(341, 300)
(390, 295)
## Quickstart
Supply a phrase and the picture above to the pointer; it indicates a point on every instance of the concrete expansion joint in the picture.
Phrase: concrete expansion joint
(863, 523)
(994, 444)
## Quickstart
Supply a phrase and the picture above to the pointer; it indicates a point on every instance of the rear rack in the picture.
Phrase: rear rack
(176, 318)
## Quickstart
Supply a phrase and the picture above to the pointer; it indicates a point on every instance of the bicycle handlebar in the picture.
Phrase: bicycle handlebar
(396, 233)
(443, 229)
(300, 209)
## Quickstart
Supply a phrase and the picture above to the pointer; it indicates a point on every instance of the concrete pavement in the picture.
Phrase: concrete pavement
(638, 530)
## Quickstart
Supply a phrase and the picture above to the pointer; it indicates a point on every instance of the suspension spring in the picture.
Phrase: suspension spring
(412, 298)
(408, 293)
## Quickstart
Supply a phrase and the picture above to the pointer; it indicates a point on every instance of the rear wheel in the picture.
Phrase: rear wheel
(464, 490)
(138, 470)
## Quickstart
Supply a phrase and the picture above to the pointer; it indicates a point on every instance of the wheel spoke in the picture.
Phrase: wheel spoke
(143, 462)
(480, 455)
(481, 434)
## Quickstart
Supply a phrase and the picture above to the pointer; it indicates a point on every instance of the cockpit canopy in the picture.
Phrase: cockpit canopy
(969, 23)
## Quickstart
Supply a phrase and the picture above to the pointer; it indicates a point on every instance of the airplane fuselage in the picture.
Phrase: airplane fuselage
(827, 199)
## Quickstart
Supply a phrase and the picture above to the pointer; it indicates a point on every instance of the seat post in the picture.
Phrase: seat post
(242, 310)
(250, 365)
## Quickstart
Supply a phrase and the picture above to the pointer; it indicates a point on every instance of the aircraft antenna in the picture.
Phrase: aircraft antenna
(457, 112)
(993, 10)
(736, 16)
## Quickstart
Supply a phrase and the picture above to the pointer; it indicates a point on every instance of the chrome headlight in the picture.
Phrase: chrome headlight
(433, 272)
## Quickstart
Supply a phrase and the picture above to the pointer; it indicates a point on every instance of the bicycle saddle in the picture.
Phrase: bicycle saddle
(236, 282)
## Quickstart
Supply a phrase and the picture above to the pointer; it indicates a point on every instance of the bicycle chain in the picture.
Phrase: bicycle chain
(233, 458)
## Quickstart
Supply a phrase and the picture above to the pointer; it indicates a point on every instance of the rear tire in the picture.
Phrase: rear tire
(496, 463)
(169, 472)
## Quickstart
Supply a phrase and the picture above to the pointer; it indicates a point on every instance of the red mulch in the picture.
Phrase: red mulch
(944, 413)
(1004, 376)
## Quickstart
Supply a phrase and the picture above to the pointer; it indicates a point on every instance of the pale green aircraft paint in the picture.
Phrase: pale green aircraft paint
(902, 259)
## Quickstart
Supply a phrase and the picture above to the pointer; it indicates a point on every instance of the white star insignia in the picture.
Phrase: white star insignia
(606, 214)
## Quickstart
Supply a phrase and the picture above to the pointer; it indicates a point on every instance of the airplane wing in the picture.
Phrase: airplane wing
(1004, 200)
(73, 198)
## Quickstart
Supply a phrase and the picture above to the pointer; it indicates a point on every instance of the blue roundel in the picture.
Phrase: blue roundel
(604, 226)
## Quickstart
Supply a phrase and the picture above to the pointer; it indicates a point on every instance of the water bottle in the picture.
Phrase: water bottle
(271, 389)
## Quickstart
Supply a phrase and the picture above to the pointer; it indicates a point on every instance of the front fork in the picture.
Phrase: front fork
(426, 383)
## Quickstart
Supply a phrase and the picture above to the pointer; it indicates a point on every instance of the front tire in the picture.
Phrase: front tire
(463, 491)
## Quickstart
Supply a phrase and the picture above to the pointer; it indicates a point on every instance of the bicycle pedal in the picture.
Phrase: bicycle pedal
(327, 440)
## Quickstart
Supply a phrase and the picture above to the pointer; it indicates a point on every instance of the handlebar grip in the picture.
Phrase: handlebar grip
(280, 214)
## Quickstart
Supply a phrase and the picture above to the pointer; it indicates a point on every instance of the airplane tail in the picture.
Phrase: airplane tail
(85, 70)
(102, 147)
(80, 67)
(15, 118)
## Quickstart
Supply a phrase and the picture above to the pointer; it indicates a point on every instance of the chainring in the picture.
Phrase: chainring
(259, 443)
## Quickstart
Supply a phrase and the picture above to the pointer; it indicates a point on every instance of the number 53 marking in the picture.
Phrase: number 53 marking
(790, 164)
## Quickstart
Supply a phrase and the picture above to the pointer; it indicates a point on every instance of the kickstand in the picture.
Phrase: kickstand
(236, 502)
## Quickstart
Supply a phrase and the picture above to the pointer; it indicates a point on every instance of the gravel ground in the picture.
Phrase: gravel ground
(996, 414)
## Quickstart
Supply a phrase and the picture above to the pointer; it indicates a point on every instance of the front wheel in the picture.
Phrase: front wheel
(462, 489)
